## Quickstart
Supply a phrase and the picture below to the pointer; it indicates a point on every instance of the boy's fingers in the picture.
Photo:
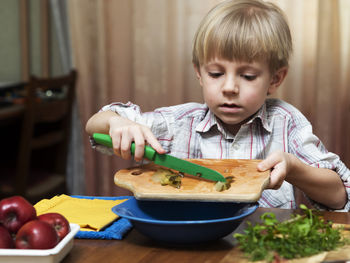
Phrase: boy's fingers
(154, 143)
(122, 139)
(156, 146)
(269, 162)
(139, 148)
(273, 180)
(277, 176)
(116, 144)
(125, 145)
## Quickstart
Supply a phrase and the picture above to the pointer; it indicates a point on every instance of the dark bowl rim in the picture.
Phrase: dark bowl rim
(248, 211)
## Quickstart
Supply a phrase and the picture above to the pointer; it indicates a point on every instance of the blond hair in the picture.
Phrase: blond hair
(243, 30)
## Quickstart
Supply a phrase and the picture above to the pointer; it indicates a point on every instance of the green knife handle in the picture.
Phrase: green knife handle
(103, 139)
(149, 152)
(106, 140)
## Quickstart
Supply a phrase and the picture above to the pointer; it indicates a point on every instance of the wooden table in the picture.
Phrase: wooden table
(137, 248)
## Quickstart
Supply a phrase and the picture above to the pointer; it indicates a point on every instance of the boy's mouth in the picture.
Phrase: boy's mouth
(230, 107)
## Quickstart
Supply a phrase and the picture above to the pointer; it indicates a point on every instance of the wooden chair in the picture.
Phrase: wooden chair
(42, 154)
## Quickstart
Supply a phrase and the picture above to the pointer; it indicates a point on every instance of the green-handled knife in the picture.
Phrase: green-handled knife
(167, 160)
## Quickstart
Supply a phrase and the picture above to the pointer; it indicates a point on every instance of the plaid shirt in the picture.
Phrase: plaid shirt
(191, 130)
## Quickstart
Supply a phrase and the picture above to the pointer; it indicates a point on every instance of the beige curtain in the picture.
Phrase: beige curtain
(140, 51)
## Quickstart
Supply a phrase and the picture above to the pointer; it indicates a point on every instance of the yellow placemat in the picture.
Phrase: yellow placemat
(89, 214)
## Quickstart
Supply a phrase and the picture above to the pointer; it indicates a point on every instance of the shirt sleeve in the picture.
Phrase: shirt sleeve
(309, 149)
(155, 120)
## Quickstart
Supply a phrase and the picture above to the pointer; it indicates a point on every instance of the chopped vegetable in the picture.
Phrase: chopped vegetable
(221, 186)
(167, 177)
(301, 236)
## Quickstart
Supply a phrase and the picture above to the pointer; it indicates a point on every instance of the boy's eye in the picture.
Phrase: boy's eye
(249, 77)
(215, 74)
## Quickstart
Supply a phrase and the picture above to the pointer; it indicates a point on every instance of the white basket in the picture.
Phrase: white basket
(52, 255)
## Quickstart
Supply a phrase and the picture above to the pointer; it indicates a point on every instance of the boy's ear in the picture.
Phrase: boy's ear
(277, 79)
(198, 74)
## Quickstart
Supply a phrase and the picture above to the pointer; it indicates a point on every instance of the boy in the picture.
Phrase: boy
(240, 55)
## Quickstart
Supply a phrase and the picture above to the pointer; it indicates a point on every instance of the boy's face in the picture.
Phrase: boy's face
(234, 91)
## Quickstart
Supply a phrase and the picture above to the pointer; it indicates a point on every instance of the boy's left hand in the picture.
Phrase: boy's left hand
(279, 163)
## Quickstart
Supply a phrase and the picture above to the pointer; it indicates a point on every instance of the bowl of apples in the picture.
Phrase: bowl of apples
(26, 237)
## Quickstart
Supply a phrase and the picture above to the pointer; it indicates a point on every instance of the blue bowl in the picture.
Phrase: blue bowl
(184, 222)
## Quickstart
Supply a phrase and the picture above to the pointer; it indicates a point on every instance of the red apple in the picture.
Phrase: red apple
(15, 211)
(36, 234)
(6, 240)
(58, 221)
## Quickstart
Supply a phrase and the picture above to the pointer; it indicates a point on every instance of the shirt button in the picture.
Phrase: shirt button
(236, 146)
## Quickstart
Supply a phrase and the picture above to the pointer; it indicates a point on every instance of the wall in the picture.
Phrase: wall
(10, 41)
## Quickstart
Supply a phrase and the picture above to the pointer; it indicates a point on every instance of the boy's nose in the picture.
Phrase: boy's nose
(230, 85)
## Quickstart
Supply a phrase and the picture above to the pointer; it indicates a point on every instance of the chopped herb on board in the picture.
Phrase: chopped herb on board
(301, 236)
(167, 177)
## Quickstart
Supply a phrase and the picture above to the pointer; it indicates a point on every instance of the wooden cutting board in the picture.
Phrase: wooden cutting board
(247, 185)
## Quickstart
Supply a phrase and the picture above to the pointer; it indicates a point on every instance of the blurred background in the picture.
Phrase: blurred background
(140, 51)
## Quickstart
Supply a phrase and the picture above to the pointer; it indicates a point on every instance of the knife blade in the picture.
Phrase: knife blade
(167, 160)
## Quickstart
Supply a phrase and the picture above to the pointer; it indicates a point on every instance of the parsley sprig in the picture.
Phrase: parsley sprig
(303, 235)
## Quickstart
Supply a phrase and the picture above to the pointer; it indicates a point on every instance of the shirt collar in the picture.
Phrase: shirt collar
(262, 115)
(210, 120)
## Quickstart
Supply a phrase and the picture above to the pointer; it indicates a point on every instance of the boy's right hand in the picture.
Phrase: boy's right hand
(124, 132)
